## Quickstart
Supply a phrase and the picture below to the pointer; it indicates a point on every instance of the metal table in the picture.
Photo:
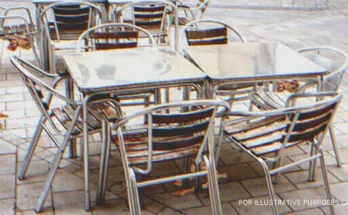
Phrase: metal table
(124, 70)
(251, 63)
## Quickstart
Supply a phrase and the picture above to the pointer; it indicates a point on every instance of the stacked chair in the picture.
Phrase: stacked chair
(23, 33)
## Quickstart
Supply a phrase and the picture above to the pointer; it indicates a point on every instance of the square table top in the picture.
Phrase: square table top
(130, 69)
(249, 62)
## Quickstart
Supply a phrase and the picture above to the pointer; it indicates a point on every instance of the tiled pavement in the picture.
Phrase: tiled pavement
(244, 182)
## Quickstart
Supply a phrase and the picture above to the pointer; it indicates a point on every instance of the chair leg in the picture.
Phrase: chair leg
(334, 145)
(269, 185)
(52, 60)
(135, 193)
(33, 144)
(52, 174)
(312, 164)
(35, 53)
(326, 181)
(213, 188)
(104, 162)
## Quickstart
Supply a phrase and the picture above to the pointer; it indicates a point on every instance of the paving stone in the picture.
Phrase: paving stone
(314, 211)
(300, 179)
(259, 205)
(228, 192)
(70, 203)
(226, 209)
(234, 157)
(340, 209)
(343, 127)
(118, 207)
(169, 211)
(178, 202)
(7, 188)
(37, 172)
(8, 164)
(154, 207)
(47, 211)
(329, 160)
(237, 172)
(340, 172)
(7, 207)
(340, 191)
(6, 147)
(259, 170)
(258, 186)
(308, 198)
(343, 155)
(28, 195)
(60, 182)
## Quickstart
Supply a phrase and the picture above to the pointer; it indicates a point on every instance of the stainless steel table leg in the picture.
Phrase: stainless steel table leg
(85, 155)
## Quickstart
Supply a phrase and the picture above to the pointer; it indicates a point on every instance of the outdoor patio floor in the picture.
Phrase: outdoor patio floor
(245, 181)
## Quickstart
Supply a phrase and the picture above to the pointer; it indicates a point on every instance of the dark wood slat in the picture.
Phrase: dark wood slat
(158, 156)
(115, 35)
(308, 134)
(208, 42)
(72, 27)
(149, 16)
(180, 131)
(317, 112)
(72, 19)
(151, 9)
(177, 143)
(148, 23)
(302, 126)
(107, 46)
(71, 10)
(206, 33)
(182, 117)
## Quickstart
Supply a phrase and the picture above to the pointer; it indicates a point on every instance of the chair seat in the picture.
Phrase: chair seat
(95, 116)
(137, 148)
(268, 100)
(259, 137)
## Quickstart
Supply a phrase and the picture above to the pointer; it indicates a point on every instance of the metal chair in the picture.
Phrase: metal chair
(215, 32)
(154, 16)
(63, 120)
(266, 135)
(119, 36)
(173, 131)
(22, 33)
(192, 13)
(65, 21)
(334, 60)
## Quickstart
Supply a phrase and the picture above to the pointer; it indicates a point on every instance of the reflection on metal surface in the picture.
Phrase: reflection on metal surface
(251, 61)
(126, 68)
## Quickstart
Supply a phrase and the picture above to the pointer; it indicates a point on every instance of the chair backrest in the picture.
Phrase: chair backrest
(112, 36)
(70, 19)
(183, 126)
(208, 32)
(332, 59)
(149, 14)
(275, 130)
